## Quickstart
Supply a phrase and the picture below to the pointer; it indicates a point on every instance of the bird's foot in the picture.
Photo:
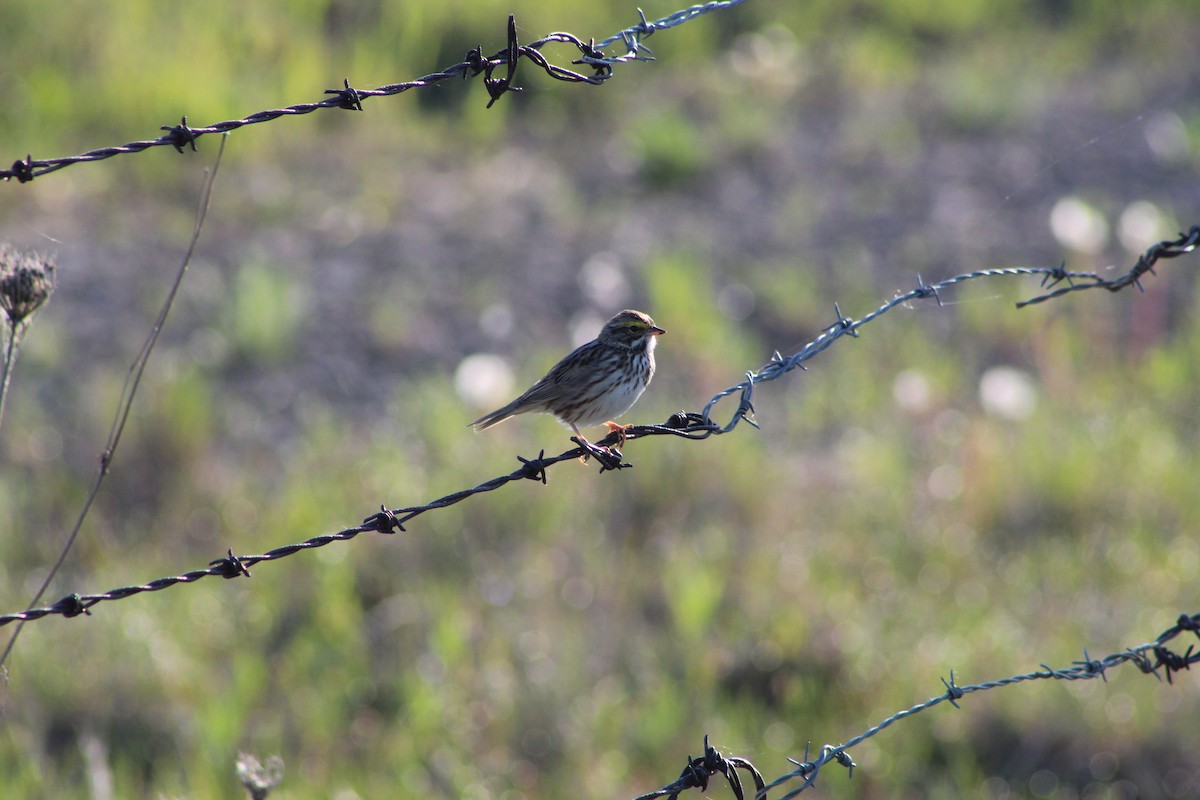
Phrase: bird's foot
(619, 430)
(609, 457)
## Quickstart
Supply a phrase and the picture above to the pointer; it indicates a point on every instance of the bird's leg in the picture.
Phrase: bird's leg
(602, 453)
(583, 442)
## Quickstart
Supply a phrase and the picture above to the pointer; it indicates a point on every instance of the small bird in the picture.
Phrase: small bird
(596, 382)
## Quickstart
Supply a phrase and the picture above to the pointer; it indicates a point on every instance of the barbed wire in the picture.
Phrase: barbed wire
(499, 73)
(473, 65)
(260, 779)
(699, 771)
(133, 379)
(1186, 243)
(684, 424)
(779, 366)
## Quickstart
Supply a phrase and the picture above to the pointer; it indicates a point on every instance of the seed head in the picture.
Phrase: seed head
(26, 282)
(257, 777)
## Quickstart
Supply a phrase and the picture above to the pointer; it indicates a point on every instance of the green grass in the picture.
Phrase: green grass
(726, 587)
(769, 588)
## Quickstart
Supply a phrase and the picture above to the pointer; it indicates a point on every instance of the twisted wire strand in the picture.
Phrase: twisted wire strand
(779, 366)
(475, 64)
(699, 771)
(688, 425)
(1087, 669)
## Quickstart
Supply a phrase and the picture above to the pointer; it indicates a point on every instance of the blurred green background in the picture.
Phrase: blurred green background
(970, 487)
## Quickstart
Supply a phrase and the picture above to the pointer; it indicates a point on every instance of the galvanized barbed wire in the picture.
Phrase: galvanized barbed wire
(688, 425)
(473, 65)
(633, 36)
(1186, 243)
(700, 770)
(778, 366)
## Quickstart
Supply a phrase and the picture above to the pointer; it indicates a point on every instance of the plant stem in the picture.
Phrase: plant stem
(10, 357)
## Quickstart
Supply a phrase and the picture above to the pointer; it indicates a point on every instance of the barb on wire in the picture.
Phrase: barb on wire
(684, 424)
(1087, 669)
(844, 326)
(232, 566)
(473, 65)
(1186, 243)
(132, 380)
(699, 770)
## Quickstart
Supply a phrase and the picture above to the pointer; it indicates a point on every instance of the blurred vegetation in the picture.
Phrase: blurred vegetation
(899, 515)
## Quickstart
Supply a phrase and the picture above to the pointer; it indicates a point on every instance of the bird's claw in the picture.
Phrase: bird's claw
(619, 430)
(609, 457)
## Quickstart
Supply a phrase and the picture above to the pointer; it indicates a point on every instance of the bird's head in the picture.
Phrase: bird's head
(631, 329)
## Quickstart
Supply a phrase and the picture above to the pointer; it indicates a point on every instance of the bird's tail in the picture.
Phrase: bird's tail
(495, 418)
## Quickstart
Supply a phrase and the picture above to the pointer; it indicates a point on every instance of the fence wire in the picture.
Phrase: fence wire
(684, 424)
(498, 72)
(133, 380)
(1051, 277)
(702, 769)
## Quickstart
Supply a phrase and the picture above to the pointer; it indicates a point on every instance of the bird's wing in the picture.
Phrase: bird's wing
(559, 379)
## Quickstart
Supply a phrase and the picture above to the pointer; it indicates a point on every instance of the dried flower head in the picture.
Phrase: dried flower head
(26, 282)
(259, 778)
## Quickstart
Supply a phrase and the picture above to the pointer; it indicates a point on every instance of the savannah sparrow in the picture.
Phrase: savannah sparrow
(598, 381)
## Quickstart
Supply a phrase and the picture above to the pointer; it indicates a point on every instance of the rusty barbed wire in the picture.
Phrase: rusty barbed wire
(473, 65)
(685, 424)
(699, 771)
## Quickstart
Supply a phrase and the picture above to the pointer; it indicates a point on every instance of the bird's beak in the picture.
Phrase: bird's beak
(656, 331)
